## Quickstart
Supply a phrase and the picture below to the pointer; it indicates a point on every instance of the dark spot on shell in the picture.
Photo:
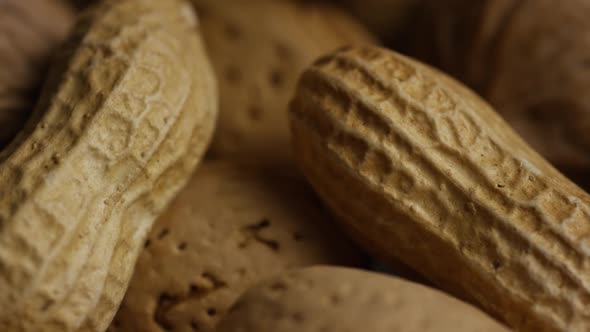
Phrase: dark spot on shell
(211, 312)
(298, 236)
(233, 74)
(47, 305)
(255, 113)
(232, 32)
(163, 233)
(496, 265)
(277, 79)
(278, 286)
(283, 52)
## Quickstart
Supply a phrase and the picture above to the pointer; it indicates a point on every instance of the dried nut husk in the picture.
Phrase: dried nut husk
(125, 117)
(420, 169)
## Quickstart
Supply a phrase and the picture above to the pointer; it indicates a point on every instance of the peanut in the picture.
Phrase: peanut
(125, 116)
(258, 49)
(419, 168)
(530, 59)
(30, 30)
(326, 298)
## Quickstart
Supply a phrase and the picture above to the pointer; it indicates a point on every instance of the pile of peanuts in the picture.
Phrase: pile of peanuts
(294, 166)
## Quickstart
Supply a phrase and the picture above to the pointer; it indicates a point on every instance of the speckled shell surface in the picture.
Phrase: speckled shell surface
(232, 226)
(340, 299)
(30, 30)
(419, 168)
(125, 116)
(258, 49)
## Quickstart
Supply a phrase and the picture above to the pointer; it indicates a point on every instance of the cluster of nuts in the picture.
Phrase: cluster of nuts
(239, 165)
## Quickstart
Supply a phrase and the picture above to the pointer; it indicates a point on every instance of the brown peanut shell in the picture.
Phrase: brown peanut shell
(419, 168)
(124, 118)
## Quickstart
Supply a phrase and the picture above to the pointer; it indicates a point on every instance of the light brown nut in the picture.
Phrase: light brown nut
(530, 59)
(30, 30)
(419, 168)
(125, 117)
(231, 227)
(339, 299)
(258, 49)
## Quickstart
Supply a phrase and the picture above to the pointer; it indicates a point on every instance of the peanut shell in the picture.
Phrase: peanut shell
(419, 168)
(124, 118)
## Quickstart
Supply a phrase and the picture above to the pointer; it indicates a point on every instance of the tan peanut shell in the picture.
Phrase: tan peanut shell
(325, 298)
(258, 49)
(125, 117)
(420, 169)
(30, 31)
(232, 226)
(530, 59)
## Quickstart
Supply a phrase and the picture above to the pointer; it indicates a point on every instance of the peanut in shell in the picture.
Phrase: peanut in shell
(125, 116)
(420, 169)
